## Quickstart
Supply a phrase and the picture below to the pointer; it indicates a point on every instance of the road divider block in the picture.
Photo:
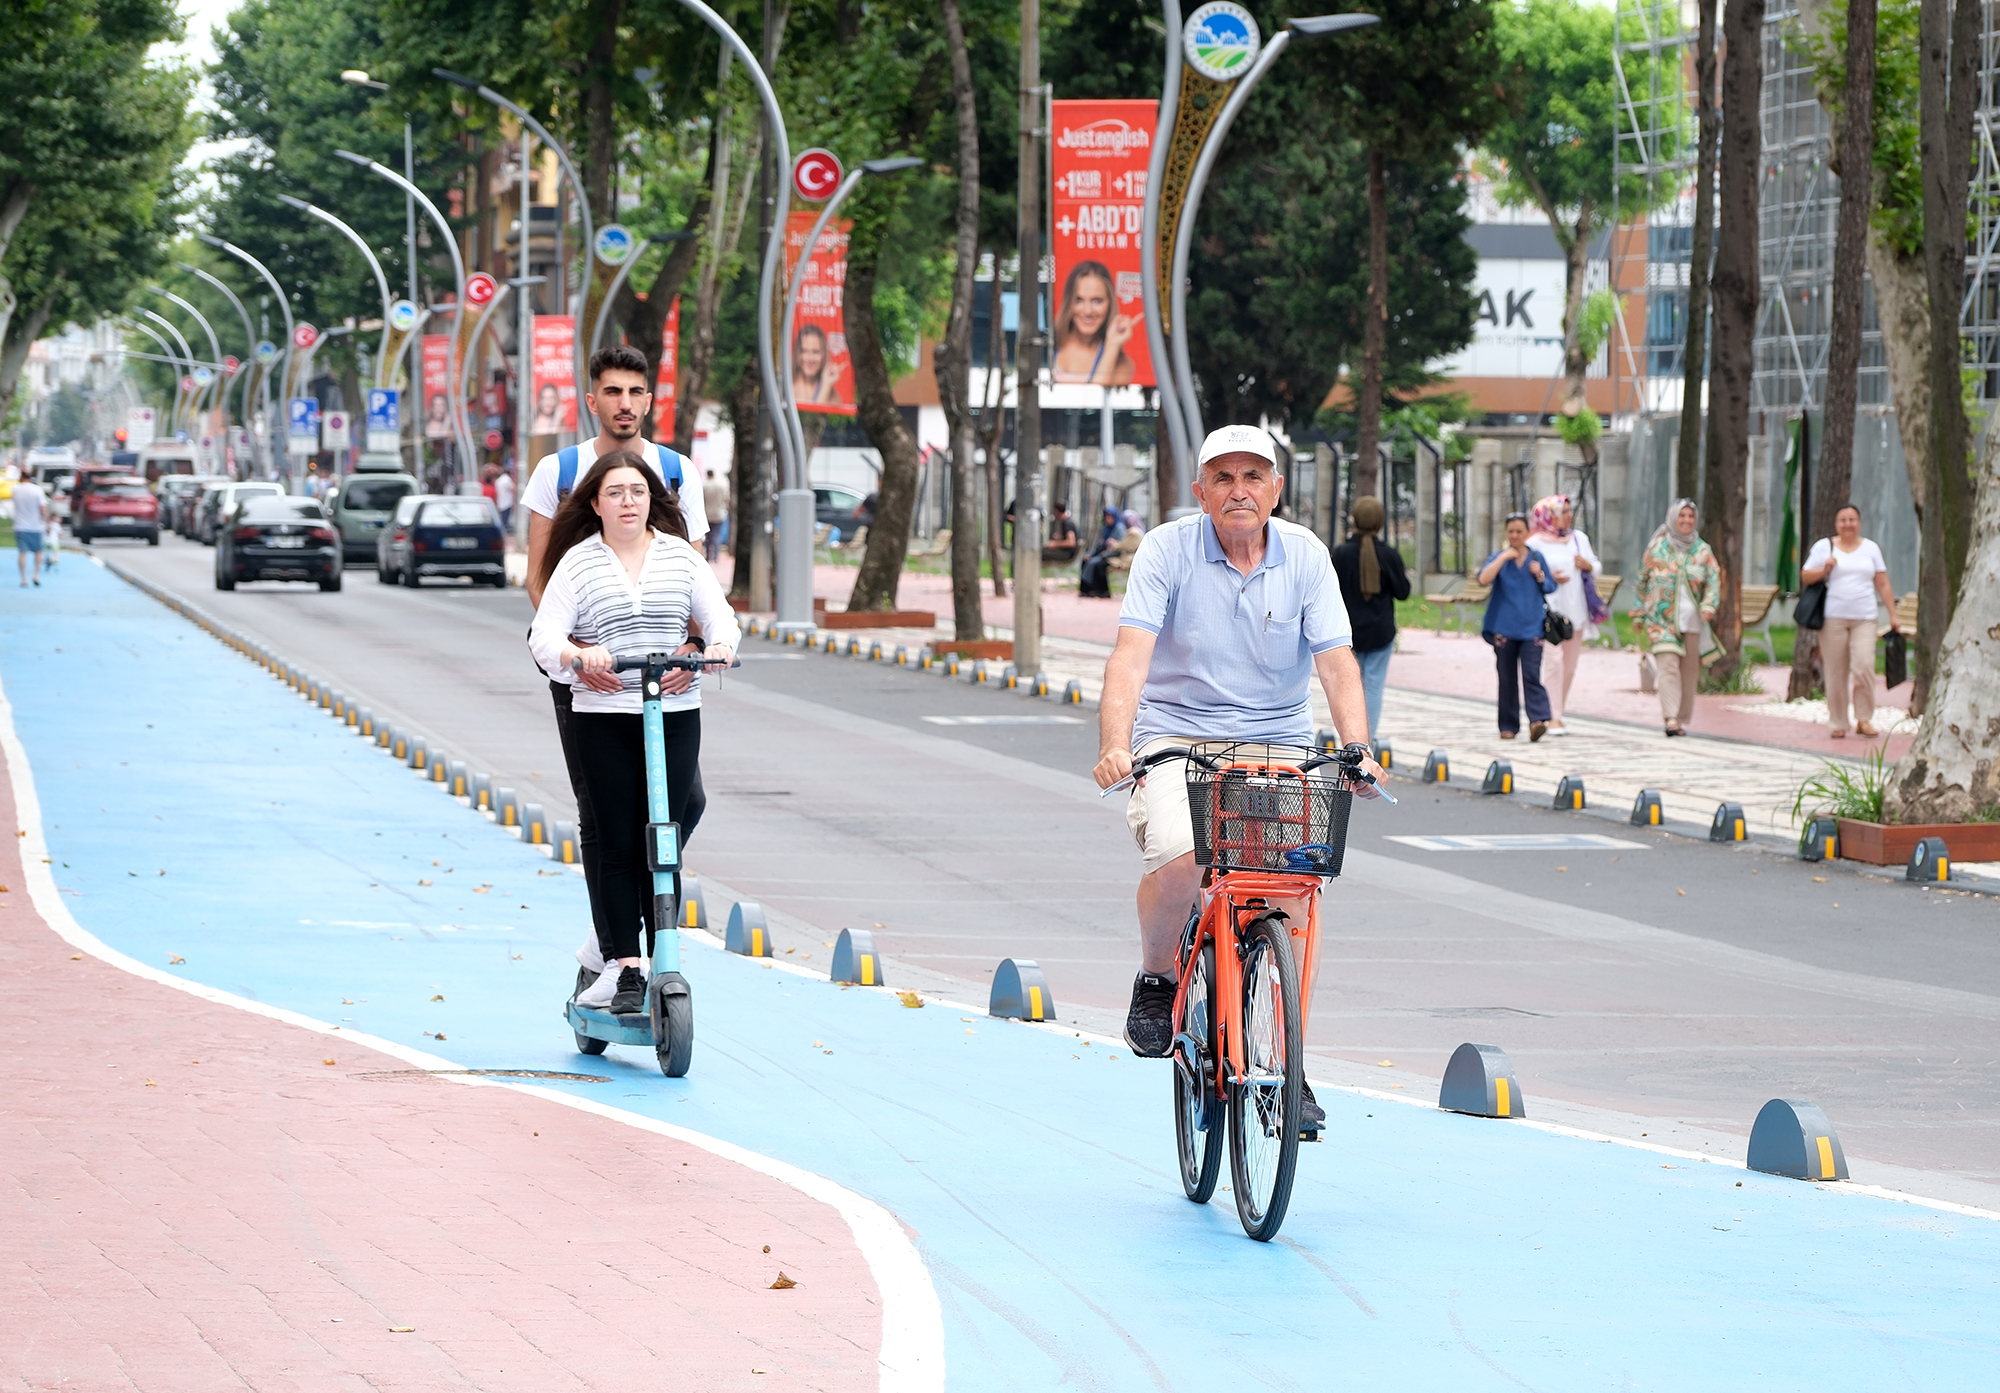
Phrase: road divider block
(1384, 753)
(1793, 1137)
(418, 756)
(1819, 839)
(951, 665)
(364, 723)
(1072, 693)
(386, 737)
(563, 843)
(694, 905)
(1930, 861)
(1728, 824)
(457, 779)
(1437, 767)
(875, 651)
(1325, 741)
(440, 774)
(326, 697)
(1480, 1081)
(973, 671)
(1039, 685)
(1646, 808)
(339, 705)
(1569, 794)
(747, 933)
(1499, 778)
(506, 807)
(855, 959)
(1010, 677)
(534, 825)
(480, 790)
(1020, 992)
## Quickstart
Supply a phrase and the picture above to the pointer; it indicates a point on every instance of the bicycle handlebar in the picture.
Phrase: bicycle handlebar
(1350, 766)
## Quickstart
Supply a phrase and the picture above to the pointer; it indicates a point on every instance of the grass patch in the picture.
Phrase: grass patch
(1742, 682)
(1844, 790)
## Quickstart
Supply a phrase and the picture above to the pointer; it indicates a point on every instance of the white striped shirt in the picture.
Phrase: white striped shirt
(591, 597)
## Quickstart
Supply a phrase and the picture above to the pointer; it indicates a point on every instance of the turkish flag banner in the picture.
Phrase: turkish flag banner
(1098, 159)
(668, 382)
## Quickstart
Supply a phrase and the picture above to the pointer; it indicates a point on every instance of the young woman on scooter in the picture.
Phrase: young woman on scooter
(621, 578)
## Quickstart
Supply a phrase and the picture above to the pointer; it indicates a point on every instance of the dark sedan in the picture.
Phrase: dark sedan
(275, 537)
(432, 535)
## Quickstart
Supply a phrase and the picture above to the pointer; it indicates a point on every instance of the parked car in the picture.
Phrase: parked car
(188, 510)
(431, 535)
(271, 536)
(175, 492)
(115, 506)
(363, 508)
(220, 501)
(158, 461)
(838, 507)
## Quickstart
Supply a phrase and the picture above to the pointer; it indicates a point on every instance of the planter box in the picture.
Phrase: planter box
(985, 648)
(1890, 844)
(876, 619)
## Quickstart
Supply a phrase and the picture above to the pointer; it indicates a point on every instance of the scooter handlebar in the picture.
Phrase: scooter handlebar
(631, 662)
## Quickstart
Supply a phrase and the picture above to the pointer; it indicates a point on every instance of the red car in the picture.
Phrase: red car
(114, 506)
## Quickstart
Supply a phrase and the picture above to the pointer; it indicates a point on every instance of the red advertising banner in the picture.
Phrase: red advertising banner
(667, 383)
(1098, 159)
(822, 377)
(437, 386)
(555, 374)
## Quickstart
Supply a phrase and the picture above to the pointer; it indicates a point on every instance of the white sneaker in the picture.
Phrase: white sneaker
(1559, 730)
(588, 956)
(599, 993)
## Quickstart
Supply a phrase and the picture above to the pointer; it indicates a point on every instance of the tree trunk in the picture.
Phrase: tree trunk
(1736, 293)
(1949, 773)
(600, 117)
(1575, 241)
(749, 494)
(889, 532)
(725, 227)
(1902, 310)
(1701, 252)
(1374, 333)
(952, 361)
(1948, 35)
(1855, 161)
(15, 345)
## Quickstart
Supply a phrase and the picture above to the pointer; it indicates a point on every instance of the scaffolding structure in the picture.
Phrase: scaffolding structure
(1652, 57)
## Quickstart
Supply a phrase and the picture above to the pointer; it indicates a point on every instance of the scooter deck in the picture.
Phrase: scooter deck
(633, 1029)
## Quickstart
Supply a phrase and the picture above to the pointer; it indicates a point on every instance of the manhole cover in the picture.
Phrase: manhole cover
(484, 1074)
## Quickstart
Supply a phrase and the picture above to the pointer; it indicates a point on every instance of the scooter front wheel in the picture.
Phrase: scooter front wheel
(584, 1044)
(675, 1033)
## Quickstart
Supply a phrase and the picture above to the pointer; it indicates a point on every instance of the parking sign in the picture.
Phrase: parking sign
(304, 431)
(385, 420)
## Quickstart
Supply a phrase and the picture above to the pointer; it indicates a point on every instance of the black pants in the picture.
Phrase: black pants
(610, 752)
(1519, 663)
(586, 820)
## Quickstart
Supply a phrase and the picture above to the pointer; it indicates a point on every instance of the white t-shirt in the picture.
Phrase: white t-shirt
(1569, 599)
(540, 495)
(31, 507)
(503, 492)
(591, 597)
(1850, 585)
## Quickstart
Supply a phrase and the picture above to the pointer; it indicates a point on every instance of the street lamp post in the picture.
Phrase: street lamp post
(472, 353)
(368, 253)
(173, 359)
(214, 344)
(529, 123)
(618, 283)
(245, 367)
(284, 304)
(359, 77)
(460, 425)
(185, 414)
(1149, 257)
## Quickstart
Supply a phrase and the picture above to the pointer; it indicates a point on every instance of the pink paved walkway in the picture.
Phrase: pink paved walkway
(198, 1201)
(1606, 686)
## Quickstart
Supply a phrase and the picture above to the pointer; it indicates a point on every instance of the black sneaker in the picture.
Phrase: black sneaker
(1312, 1117)
(631, 997)
(1149, 1025)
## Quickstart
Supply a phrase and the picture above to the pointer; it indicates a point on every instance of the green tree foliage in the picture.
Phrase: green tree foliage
(1899, 193)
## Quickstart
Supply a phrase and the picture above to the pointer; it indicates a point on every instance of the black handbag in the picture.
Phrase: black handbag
(1896, 658)
(1810, 612)
(1556, 628)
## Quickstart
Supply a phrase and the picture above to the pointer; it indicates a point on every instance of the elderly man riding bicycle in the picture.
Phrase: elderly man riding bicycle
(1228, 615)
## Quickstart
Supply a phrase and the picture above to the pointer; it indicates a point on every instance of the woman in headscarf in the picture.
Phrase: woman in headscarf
(1553, 533)
(1680, 585)
(1372, 579)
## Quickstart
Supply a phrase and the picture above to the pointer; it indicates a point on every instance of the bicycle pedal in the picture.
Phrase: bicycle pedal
(1311, 1133)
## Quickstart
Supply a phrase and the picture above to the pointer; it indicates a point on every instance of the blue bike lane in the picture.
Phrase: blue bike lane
(203, 819)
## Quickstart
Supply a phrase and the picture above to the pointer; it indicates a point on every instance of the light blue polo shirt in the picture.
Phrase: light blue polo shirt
(1234, 659)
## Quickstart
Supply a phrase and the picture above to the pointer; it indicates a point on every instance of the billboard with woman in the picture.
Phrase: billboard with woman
(822, 377)
(1099, 156)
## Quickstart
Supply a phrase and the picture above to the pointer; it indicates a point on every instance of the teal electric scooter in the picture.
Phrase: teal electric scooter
(667, 1023)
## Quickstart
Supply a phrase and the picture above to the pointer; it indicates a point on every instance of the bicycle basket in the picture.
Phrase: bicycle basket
(1249, 817)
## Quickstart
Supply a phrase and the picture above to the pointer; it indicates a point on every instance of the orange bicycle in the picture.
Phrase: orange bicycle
(1265, 832)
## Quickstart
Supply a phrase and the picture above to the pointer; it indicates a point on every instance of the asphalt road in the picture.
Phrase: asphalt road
(1664, 978)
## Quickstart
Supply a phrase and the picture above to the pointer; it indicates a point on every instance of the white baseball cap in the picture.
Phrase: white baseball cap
(1238, 440)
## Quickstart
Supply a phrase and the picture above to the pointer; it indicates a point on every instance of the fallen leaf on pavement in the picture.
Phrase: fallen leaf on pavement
(175, 958)
(910, 999)
(1680, 892)
(151, 1084)
(1385, 1063)
(423, 882)
(767, 1247)
(402, 1329)
(326, 1061)
(783, 1283)
(437, 998)
(76, 957)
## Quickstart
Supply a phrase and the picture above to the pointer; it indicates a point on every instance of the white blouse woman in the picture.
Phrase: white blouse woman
(1856, 577)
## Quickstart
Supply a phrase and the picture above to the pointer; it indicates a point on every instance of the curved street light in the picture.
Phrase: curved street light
(460, 425)
(618, 283)
(284, 304)
(247, 367)
(174, 359)
(472, 350)
(374, 264)
(214, 345)
(1149, 256)
(582, 207)
(1312, 26)
(186, 414)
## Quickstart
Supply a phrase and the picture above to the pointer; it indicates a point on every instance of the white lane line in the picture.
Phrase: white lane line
(911, 1359)
(1550, 841)
(1004, 720)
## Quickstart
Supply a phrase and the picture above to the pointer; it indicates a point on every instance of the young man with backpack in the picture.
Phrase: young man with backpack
(620, 398)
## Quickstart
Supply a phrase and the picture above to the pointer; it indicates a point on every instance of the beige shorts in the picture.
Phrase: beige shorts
(1157, 811)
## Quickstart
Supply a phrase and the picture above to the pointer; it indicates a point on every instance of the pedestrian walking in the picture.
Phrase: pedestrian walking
(1680, 585)
(504, 494)
(1519, 579)
(1372, 578)
(31, 513)
(1553, 532)
(1856, 576)
(715, 507)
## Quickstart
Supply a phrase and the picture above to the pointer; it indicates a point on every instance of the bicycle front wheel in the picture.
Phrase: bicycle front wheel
(1197, 1111)
(1264, 1107)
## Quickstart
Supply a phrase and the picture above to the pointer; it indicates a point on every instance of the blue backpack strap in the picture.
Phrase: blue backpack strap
(565, 473)
(671, 465)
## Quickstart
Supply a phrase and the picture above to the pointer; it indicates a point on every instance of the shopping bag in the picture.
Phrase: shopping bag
(1896, 658)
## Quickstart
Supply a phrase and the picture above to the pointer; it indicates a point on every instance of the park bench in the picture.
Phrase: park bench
(1755, 607)
(854, 545)
(1607, 586)
(939, 545)
(1906, 614)
(1458, 596)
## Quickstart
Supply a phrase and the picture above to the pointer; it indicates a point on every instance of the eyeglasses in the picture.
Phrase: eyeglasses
(619, 493)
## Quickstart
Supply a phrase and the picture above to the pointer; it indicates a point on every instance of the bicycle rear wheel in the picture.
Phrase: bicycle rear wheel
(1264, 1108)
(1197, 1111)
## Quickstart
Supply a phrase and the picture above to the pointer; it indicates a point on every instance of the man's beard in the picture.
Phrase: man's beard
(616, 432)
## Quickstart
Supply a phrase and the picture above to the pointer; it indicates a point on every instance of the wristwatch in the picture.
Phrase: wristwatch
(700, 643)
